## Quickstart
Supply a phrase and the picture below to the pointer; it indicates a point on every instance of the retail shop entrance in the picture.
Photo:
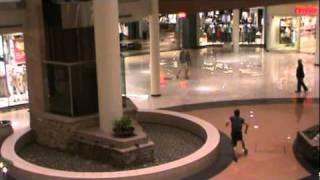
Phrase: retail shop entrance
(13, 77)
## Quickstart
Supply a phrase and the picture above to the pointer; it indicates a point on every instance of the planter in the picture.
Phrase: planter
(123, 133)
(5, 130)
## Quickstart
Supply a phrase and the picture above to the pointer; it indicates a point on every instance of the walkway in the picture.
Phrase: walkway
(250, 74)
(272, 131)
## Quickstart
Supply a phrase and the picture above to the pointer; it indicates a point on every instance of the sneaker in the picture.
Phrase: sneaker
(297, 91)
(246, 152)
(235, 159)
(306, 90)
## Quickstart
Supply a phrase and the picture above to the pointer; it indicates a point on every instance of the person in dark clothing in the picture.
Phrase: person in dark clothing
(236, 131)
(300, 76)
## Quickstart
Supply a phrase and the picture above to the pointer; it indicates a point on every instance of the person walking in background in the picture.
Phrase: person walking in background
(184, 63)
(236, 131)
(300, 76)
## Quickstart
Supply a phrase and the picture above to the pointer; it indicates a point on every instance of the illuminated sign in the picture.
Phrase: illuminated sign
(182, 15)
(19, 51)
(306, 10)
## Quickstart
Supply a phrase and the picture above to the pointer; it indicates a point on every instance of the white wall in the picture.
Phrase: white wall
(132, 10)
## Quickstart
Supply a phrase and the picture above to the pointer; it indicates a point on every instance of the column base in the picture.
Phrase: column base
(155, 95)
(94, 144)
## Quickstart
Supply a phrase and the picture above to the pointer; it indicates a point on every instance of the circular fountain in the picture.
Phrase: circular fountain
(187, 165)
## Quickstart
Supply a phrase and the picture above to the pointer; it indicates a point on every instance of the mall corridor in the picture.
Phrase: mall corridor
(159, 89)
(218, 75)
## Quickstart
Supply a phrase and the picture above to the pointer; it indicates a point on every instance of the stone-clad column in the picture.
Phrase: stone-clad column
(235, 30)
(106, 19)
(154, 49)
(35, 48)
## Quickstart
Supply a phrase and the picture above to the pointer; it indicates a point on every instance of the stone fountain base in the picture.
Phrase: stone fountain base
(81, 135)
(121, 152)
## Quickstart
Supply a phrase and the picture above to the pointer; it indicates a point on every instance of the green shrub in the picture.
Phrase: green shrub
(122, 124)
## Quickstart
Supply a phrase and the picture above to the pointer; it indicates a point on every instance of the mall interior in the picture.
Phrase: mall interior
(71, 69)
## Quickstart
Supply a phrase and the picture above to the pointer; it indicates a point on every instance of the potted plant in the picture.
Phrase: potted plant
(123, 127)
(4, 164)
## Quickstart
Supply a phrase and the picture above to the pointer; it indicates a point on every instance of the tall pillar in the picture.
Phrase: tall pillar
(178, 32)
(190, 37)
(154, 49)
(34, 45)
(265, 24)
(106, 18)
(317, 61)
(235, 30)
(269, 29)
(298, 33)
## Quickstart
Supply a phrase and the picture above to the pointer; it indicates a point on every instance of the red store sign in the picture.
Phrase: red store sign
(19, 51)
(182, 15)
(306, 10)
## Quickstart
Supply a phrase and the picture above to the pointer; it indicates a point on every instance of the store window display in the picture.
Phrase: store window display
(287, 33)
(215, 27)
(13, 76)
(251, 26)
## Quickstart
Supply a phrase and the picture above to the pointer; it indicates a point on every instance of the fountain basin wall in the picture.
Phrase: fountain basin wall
(178, 169)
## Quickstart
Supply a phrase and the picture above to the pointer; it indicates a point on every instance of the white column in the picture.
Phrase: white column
(154, 49)
(106, 18)
(298, 33)
(317, 61)
(235, 30)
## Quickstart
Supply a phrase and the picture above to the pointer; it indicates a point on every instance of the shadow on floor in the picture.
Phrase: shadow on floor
(306, 165)
(312, 177)
(6, 177)
(225, 158)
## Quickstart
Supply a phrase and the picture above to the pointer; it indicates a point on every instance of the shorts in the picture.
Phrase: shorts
(236, 136)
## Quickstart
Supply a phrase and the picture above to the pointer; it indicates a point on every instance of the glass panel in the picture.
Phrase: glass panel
(84, 89)
(59, 89)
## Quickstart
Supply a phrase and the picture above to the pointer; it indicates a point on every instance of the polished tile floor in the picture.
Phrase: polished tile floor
(220, 75)
(272, 131)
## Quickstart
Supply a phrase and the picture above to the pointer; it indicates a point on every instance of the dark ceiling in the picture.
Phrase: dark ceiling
(173, 6)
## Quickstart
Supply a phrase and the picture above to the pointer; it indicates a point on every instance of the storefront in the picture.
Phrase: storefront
(292, 27)
(251, 26)
(216, 27)
(13, 77)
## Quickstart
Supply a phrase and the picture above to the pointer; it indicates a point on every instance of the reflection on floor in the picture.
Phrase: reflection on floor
(218, 75)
